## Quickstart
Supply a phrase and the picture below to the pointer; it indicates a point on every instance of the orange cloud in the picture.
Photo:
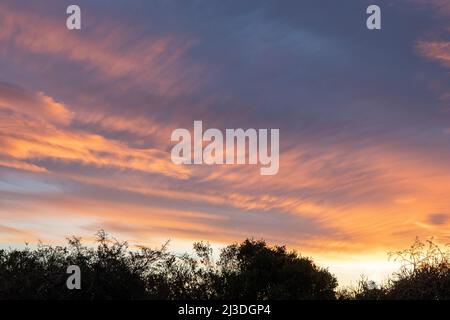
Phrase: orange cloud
(21, 165)
(25, 135)
(34, 105)
(369, 198)
(15, 235)
(85, 148)
(438, 51)
(105, 48)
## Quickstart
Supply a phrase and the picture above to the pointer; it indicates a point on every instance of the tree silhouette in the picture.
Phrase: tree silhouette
(249, 270)
(424, 275)
(252, 270)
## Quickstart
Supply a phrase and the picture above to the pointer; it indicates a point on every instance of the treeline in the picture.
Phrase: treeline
(424, 275)
(248, 270)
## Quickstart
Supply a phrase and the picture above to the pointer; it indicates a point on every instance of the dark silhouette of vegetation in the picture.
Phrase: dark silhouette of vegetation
(249, 270)
(424, 275)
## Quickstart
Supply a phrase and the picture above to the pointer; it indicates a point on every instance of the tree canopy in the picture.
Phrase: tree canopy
(249, 270)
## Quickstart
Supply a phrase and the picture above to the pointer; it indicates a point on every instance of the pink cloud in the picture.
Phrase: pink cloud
(35, 105)
(438, 51)
(37, 129)
(155, 61)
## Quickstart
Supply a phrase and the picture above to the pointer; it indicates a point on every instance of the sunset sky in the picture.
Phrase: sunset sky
(364, 117)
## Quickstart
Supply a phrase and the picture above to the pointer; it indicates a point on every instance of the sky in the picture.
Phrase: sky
(364, 116)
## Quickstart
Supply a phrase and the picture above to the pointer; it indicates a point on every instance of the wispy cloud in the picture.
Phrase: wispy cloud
(105, 48)
(86, 117)
(33, 105)
(438, 51)
(26, 135)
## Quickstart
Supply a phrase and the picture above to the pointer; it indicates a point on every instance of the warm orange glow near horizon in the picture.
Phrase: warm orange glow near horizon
(86, 117)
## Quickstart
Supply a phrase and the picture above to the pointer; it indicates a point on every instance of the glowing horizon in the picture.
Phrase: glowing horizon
(86, 118)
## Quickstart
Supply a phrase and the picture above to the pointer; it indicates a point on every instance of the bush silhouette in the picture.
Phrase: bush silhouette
(424, 275)
(250, 270)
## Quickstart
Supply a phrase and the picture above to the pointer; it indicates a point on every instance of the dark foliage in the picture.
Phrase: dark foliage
(424, 275)
(250, 270)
